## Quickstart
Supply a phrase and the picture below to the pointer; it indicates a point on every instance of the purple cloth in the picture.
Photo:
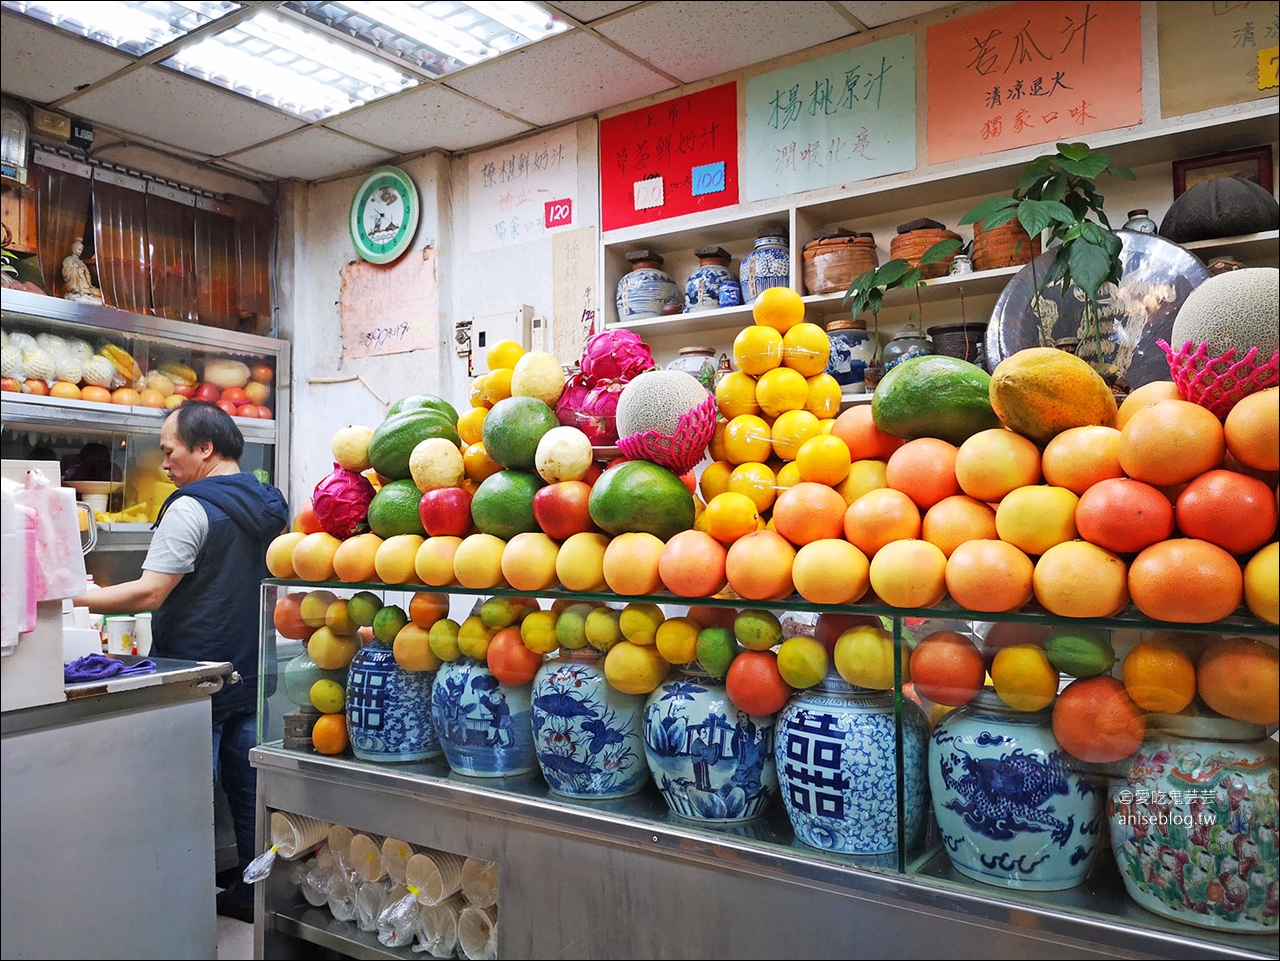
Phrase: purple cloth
(99, 667)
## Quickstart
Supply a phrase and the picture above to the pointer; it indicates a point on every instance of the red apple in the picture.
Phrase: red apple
(34, 386)
(229, 407)
(236, 395)
(615, 462)
(11, 383)
(561, 509)
(185, 390)
(594, 471)
(446, 511)
(262, 373)
(689, 481)
(208, 393)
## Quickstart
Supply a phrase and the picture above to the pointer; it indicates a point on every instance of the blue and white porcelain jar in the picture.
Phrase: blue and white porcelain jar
(851, 350)
(711, 761)
(1010, 811)
(389, 708)
(648, 290)
(838, 771)
(588, 735)
(713, 284)
(768, 264)
(485, 727)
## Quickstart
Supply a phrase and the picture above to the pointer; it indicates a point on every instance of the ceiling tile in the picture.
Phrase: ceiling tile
(164, 107)
(685, 41)
(585, 11)
(311, 155)
(44, 65)
(567, 76)
(430, 116)
(879, 12)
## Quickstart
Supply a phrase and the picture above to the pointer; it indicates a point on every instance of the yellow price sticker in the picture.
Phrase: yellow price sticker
(1269, 68)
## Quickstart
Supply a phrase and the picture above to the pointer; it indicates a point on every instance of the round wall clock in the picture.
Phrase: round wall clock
(384, 215)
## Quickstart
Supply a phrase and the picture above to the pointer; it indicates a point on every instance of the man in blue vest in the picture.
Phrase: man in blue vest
(200, 578)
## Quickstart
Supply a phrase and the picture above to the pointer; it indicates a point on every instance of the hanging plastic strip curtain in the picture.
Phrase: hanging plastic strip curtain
(255, 246)
(216, 276)
(120, 234)
(63, 187)
(171, 235)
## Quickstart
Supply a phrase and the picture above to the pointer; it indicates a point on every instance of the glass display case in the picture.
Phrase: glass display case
(1025, 829)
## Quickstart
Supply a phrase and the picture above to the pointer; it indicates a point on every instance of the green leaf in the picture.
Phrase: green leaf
(1090, 267)
(1036, 215)
(989, 209)
(1055, 189)
(910, 279)
(889, 274)
(1034, 172)
(1074, 151)
(1094, 234)
(940, 251)
(1123, 173)
(1090, 166)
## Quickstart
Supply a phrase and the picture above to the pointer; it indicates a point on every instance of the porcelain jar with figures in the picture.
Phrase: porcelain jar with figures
(389, 708)
(711, 761)
(768, 264)
(713, 284)
(1010, 811)
(485, 727)
(838, 771)
(699, 363)
(1193, 822)
(588, 735)
(648, 290)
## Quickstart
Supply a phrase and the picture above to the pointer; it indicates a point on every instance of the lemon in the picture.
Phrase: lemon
(443, 638)
(824, 459)
(503, 354)
(677, 640)
(328, 697)
(757, 630)
(792, 429)
(716, 650)
(788, 476)
(639, 622)
(497, 385)
(757, 350)
(635, 668)
(778, 307)
(731, 515)
(747, 438)
(474, 637)
(757, 481)
(864, 657)
(715, 479)
(802, 661)
(1024, 678)
(806, 348)
(780, 390)
(824, 397)
(362, 606)
(602, 628)
(736, 394)
(471, 425)
(337, 617)
(538, 631)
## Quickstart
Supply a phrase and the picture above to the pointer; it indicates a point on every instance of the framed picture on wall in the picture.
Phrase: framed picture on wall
(1253, 164)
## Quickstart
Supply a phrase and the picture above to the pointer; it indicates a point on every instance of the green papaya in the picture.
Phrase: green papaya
(396, 437)
(934, 396)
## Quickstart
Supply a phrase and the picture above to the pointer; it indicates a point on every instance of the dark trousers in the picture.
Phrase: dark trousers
(232, 738)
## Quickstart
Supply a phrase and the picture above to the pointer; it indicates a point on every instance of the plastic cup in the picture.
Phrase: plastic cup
(295, 834)
(480, 882)
(478, 932)
(119, 634)
(438, 925)
(142, 633)
(436, 875)
(365, 856)
(395, 855)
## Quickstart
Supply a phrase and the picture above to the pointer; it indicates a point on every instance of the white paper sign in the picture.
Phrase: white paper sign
(511, 187)
(648, 193)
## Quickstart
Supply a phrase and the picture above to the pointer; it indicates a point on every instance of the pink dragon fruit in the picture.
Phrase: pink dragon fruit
(596, 418)
(615, 354)
(341, 502)
(572, 400)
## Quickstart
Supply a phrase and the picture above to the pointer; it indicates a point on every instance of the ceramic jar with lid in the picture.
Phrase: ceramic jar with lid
(713, 284)
(851, 350)
(768, 264)
(1140, 222)
(648, 290)
(699, 363)
(389, 708)
(910, 342)
(484, 726)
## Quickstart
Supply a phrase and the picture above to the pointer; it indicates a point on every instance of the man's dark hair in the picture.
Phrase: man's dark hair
(200, 423)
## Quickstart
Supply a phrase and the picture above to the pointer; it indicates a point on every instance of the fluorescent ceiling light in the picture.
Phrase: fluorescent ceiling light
(133, 28)
(277, 62)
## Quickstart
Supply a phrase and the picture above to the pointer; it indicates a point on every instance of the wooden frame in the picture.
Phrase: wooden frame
(1253, 164)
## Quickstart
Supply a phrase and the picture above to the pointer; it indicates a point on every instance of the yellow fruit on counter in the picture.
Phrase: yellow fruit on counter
(505, 353)
(806, 348)
(350, 446)
(780, 390)
(1042, 391)
(778, 307)
(757, 350)
(538, 374)
(1262, 584)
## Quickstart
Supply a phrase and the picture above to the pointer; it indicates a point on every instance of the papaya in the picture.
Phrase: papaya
(421, 401)
(934, 396)
(395, 438)
(640, 496)
(1041, 391)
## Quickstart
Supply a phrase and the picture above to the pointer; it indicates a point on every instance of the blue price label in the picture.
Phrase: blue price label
(708, 178)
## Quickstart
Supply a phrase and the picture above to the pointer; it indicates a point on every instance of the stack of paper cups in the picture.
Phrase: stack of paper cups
(435, 874)
(480, 882)
(438, 926)
(478, 932)
(340, 844)
(365, 856)
(395, 854)
(295, 834)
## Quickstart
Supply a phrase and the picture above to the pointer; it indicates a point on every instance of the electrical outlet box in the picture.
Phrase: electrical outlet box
(514, 324)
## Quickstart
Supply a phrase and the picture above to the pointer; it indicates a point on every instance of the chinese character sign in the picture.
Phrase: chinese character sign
(1032, 73)
(670, 159)
(523, 191)
(846, 117)
(1210, 53)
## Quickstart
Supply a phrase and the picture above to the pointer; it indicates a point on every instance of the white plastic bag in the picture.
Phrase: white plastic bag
(58, 552)
(17, 595)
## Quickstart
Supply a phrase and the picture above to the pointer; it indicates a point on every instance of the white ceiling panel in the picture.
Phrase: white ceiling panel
(567, 76)
(44, 65)
(692, 41)
(584, 11)
(879, 12)
(430, 116)
(311, 155)
(164, 107)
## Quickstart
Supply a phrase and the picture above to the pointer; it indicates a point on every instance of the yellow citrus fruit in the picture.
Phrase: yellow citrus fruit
(715, 479)
(329, 734)
(538, 631)
(497, 385)
(731, 515)
(635, 668)
(824, 459)
(757, 481)
(747, 438)
(1035, 518)
(790, 430)
(677, 640)
(736, 394)
(1262, 585)
(503, 354)
(788, 475)
(826, 424)
(806, 348)
(602, 629)
(443, 638)
(780, 390)
(778, 307)
(824, 396)
(1159, 675)
(1023, 677)
(802, 661)
(757, 350)
(471, 423)
(474, 637)
(328, 697)
(478, 464)
(715, 446)
(864, 475)
(412, 649)
(639, 622)
(864, 658)
(476, 394)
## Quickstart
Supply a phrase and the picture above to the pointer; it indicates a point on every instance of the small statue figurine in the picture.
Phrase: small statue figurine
(75, 274)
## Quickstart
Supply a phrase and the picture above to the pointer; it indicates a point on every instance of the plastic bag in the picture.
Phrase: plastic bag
(398, 922)
(17, 594)
(58, 554)
(260, 867)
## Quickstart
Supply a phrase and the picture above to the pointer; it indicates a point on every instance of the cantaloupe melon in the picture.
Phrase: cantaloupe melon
(1232, 310)
(655, 400)
(1041, 391)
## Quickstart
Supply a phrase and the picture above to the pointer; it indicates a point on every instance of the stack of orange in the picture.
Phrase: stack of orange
(486, 390)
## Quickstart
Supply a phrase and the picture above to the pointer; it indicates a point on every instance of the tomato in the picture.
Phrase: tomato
(235, 395)
(262, 373)
(246, 410)
(227, 406)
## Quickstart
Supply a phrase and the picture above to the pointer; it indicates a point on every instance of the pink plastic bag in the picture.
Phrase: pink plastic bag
(59, 558)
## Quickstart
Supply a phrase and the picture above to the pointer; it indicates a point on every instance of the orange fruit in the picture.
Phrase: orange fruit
(755, 685)
(426, 608)
(1252, 430)
(880, 517)
(809, 512)
(1186, 580)
(806, 348)
(1079, 579)
(692, 565)
(1240, 677)
(510, 660)
(1145, 396)
(69, 391)
(329, 734)
(864, 476)
(778, 307)
(909, 573)
(1235, 511)
(864, 439)
(476, 395)
(715, 479)
(791, 429)
(99, 395)
(478, 464)
(758, 566)
(736, 394)
(1033, 519)
(729, 516)
(780, 390)
(947, 668)
(126, 396)
(757, 481)
(747, 438)
(989, 575)
(1023, 677)
(1160, 675)
(824, 459)
(287, 617)
(1170, 442)
(1262, 584)
(355, 560)
(1123, 515)
(146, 398)
(1095, 720)
(831, 571)
(1079, 457)
(307, 521)
(956, 519)
(824, 397)
(993, 462)
(924, 469)
(471, 425)
(631, 563)
(712, 615)
(757, 350)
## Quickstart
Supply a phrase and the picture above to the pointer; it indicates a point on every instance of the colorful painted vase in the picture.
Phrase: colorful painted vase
(484, 727)
(711, 761)
(713, 284)
(588, 735)
(1010, 811)
(838, 772)
(1193, 823)
(389, 708)
(648, 290)
(768, 264)
(699, 363)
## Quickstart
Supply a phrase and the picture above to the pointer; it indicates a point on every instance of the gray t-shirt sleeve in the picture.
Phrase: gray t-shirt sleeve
(176, 543)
